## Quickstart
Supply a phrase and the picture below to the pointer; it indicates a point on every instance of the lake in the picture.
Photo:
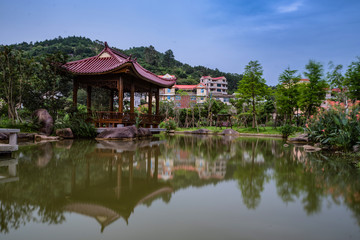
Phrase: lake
(177, 187)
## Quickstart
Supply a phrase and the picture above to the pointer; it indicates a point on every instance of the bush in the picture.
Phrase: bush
(337, 127)
(25, 126)
(286, 130)
(78, 123)
(168, 124)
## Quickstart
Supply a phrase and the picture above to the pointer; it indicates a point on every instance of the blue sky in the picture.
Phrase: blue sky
(223, 34)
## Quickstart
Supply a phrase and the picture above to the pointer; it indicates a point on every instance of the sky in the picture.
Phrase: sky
(223, 34)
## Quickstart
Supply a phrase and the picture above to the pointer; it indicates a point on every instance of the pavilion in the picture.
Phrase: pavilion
(118, 73)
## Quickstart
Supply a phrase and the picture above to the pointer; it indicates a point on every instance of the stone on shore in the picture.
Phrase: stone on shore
(65, 133)
(230, 132)
(302, 138)
(124, 133)
(309, 148)
(144, 132)
(45, 121)
(201, 131)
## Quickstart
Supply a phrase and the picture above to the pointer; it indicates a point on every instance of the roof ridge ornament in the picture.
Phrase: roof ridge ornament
(106, 45)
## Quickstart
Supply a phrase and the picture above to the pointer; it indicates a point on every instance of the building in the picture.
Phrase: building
(216, 85)
(185, 95)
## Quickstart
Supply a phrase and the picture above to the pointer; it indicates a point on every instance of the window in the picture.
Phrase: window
(178, 97)
(169, 98)
(193, 98)
(169, 90)
(202, 98)
(178, 104)
(219, 90)
(219, 85)
(202, 91)
(226, 100)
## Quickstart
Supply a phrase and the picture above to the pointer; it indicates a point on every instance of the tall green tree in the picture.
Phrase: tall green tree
(352, 80)
(337, 80)
(252, 88)
(15, 70)
(169, 59)
(151, 56)
(314, 92)
(287, 93)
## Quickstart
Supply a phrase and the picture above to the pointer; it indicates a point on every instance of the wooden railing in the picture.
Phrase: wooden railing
(112, 119)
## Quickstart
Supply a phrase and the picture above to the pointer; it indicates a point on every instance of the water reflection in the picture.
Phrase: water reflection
(107, 180)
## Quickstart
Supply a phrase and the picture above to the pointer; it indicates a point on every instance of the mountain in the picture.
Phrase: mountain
(159, 63)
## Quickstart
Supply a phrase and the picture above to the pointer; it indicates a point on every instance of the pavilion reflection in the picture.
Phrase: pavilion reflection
(128, 183)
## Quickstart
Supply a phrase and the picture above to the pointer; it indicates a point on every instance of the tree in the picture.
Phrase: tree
(151, 55)
(337, 80)
(352, 80)
(169, 59)
(252, 88)
(314, 92)
(50, 86)
(14, 71)
(287, 93)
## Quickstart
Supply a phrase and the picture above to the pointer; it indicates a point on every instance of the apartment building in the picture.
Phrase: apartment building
(186, 95)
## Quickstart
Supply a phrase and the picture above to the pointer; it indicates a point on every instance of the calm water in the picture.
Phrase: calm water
(178, 187)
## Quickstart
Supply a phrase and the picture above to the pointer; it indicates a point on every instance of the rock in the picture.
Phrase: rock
(4, 136)
(201, 131)
(356, 148)
(302, 138)
(144, 132)
(230, 132)
(286, 145)
(309, 148)
(317, 145)
(26, 136)
(129, 132)
(46, 138)
(65, 133)
(45, 121)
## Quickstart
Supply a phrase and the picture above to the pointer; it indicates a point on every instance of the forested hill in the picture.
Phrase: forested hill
(159, 63)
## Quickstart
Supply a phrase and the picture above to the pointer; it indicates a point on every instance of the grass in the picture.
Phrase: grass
(262, 130)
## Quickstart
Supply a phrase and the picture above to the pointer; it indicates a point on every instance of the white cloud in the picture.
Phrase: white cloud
(290, 8)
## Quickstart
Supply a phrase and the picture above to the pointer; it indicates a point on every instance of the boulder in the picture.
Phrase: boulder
(4, 136)
(144, 132)
(309, 148)
(45, 121)
(201, 131)
(26, 136)
(356, 148)
(302, 138)
(129, 132)
(230, 132)
(65, 133)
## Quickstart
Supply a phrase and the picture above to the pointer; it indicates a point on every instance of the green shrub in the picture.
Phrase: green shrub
(24, 126)
(78, 122)
(168, 124)
(286, 130)
(337, 127)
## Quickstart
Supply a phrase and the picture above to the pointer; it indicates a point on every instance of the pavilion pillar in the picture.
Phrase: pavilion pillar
(156, 167)
(132, 97)
(131, 165)
(88, 99)
(148, 173)
(121, 94)
(157, 101)
(150, 101)
(75, 92)
(119, 176)
(111, 101)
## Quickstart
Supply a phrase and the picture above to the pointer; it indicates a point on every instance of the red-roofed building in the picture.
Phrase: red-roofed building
(120, 74)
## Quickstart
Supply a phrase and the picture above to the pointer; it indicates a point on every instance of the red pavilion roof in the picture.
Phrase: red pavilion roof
(110, 61)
